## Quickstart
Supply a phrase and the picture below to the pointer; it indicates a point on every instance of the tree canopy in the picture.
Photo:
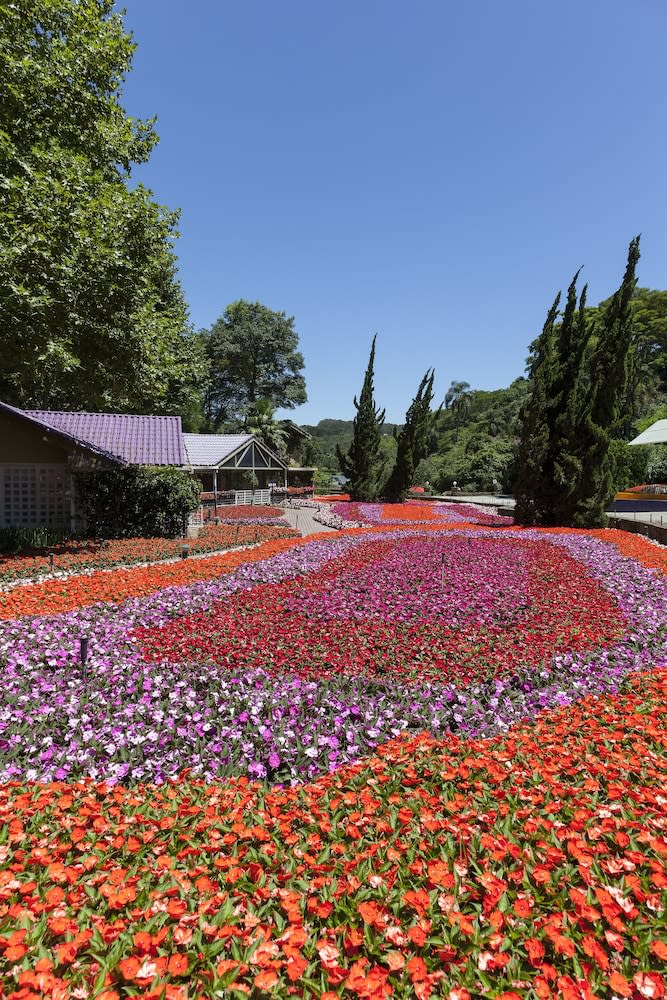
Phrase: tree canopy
(253, 356)
(91, 313)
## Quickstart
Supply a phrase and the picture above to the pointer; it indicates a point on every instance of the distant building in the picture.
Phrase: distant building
(655, 434)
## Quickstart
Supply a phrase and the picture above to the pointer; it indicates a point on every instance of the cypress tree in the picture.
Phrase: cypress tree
(579, 379)
(412, 441)
(361, 464)
(610, 364)
(531, 506)
(567, 459)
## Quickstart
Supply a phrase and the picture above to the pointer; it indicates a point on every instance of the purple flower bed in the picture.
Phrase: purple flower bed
(443, 513)
(122, 719)
(459, 579)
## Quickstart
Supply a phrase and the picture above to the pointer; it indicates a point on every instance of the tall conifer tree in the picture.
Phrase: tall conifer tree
(361, 464)
(599, 422)
(566, 450)
(531, 506)
(412, 441)
(579, 378)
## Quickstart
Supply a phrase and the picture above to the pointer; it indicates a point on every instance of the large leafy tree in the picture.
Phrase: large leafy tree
(91, 313)
(253, 356)
(411, 441)
(362, 464)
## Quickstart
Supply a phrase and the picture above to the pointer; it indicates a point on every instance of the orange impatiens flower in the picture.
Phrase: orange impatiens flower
(528, 862)
(58, 596)
(620, 985)
(177, 965)
(129, 967)
(265, 980)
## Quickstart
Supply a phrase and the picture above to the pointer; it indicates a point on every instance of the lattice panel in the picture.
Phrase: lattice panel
(33, 496)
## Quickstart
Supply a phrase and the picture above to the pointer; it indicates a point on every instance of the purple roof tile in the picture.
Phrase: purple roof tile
(137, 440)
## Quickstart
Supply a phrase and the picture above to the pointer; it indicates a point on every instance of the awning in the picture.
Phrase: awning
(655, 434)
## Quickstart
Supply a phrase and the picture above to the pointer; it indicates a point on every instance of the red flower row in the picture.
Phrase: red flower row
(526, 865)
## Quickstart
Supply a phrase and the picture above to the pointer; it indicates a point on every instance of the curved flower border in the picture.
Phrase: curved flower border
(119, 719)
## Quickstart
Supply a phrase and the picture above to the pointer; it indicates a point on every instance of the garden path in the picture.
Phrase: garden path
(302, 519)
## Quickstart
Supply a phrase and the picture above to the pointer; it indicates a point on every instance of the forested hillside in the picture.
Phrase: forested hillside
(472, 440)
(329, 433)
(475, 434)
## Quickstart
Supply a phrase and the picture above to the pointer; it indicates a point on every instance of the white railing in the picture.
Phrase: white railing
(262, 497)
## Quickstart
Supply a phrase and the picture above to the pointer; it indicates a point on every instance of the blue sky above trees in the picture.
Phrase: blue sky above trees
(428, 170)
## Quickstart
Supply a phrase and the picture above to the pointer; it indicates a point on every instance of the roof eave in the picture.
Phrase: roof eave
(70, 438)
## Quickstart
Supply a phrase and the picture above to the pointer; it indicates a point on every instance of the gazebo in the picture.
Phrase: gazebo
(226, 462)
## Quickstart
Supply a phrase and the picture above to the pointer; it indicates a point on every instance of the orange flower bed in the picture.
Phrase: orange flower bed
(636, 547)
(57, 596)
(633, 546)
(526, 865)
(410, 512)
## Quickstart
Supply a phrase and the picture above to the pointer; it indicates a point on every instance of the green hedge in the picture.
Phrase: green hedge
(139, 501)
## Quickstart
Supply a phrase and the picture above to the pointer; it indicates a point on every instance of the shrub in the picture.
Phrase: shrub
(629, 464)
(139, 501)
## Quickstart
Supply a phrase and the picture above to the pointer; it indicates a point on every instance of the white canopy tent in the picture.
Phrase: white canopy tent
(655, 434)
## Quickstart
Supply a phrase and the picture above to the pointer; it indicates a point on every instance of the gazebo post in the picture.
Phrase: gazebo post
(215, 493)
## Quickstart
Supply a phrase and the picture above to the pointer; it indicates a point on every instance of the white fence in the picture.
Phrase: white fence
(253, 496)
(263, 497)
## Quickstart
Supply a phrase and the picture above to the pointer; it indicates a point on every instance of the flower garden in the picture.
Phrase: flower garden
(82, 556)
(420, 758)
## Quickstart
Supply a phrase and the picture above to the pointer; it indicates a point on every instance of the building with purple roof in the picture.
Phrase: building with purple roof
(41, 450)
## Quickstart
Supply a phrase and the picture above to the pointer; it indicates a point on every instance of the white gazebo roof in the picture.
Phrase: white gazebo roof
(655, 434)
(235, 451)
(211, 449)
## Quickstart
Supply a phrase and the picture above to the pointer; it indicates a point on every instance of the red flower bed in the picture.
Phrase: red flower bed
(78, 556)
(279, 627)
(412, 510)
(247, 512)
(529, 865)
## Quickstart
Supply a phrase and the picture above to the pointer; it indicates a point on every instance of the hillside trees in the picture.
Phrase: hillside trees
(91, 313)
(362, 463)
(479, 445)
(253, 355)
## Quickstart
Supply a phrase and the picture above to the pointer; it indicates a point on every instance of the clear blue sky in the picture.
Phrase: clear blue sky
(430, 170)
